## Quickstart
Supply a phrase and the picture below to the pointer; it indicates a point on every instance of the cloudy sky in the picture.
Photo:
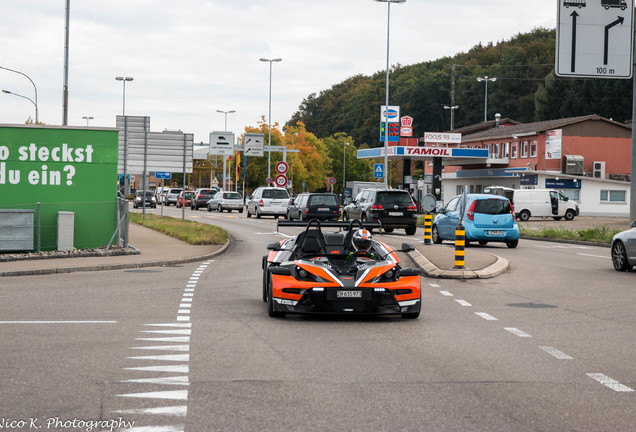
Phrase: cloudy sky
(190, 58)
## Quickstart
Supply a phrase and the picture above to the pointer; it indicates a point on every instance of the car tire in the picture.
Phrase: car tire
(512, 243)
(240, 211)
(411, 230)
(388, 230)
(258, 215)
(345, 216)
(435, 235)
(270, 299)
(209, 208)
(619, 257)
(249, 215)
(483, 242)
(219, 208)
(569, 215)
(524, 215)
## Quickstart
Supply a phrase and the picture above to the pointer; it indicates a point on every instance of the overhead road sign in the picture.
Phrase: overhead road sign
(221, 143)
(163, 175)
(595, 38)
(253, 144)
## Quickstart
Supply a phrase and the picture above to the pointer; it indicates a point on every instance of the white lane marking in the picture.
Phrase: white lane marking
(169, 325)
(175, 380)
(594, 256)
(165, 368)
(189, 290)
(447, 293)
(463, 302)
(434, 285)
(517, 332)
(175, 394)
(168, 357)
(183, 311)
(486, 316)
(58, 322)
(186, 300)
(166, 339)
(182, 348)
(556, 353)
(175, 332)
(188, 294)
(191, 285)
(609, 382)
(183, 318)
(179, 411)
(185, 305)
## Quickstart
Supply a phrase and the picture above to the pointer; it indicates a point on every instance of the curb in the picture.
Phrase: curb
(431, 270)
(169, 262)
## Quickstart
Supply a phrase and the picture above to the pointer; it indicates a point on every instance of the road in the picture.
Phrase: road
(547, 346)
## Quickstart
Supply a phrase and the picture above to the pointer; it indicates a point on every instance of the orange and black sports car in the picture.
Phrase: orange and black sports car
(320, 272)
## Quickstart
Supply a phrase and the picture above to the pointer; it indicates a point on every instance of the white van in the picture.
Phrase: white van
(543, 203)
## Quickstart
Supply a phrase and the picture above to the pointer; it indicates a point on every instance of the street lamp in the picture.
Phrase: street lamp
(485, 79)
(87, 118)
(269, 119)
(386, 106)
(293, 160)
(37, 120)
(226, 113)
(344, 166)
(123, 80)
(452, 110)
(27, 98)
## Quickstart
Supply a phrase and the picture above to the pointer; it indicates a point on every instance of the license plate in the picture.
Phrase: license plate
(349, 294)
(396, 214)
(496, 233)
(323, 209)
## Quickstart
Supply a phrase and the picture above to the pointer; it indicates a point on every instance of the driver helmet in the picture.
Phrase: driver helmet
(361, 240)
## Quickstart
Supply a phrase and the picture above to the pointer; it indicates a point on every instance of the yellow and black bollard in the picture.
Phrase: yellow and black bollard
(428, 221)
(460, 243)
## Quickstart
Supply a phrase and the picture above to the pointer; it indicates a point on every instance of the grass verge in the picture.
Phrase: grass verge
(188, 231)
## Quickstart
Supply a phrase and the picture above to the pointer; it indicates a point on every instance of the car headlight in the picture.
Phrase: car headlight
(387, 276)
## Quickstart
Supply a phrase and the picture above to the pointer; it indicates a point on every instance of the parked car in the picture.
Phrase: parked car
(226, 201)
(624, 249)
(394, 208)
(151, 201)
(201, 197)
(184, 196)
(172, 195)
(323, 206)
(161, 198)
(486, 218)
(543, 203)
(271, 201)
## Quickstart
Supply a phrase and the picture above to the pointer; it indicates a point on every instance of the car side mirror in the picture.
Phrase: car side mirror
(273, 246)
(634, 224)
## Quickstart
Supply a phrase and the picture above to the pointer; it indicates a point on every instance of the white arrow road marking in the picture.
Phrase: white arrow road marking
(176, 357)
(176, 380)
(176, 395)
(166, 339)
(165, 347)
(179, 411)
(171, 369)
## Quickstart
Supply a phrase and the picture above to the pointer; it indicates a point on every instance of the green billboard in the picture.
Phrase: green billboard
(61, 169)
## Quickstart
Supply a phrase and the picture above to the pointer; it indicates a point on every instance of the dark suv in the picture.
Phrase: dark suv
(314, 205)
(201, 197)
(394, 208)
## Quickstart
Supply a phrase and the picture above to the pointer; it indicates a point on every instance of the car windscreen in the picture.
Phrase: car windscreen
(492, 206)
(189, 194)
(232, 195)
(393, 198)
(275, 193)
(324, 200)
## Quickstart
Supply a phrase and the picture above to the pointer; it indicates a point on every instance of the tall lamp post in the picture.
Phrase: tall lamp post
(226, 113)
(344, 167)
(27, 98)
(386, 106)
(87, 118)
(485, 79)
(269, 117)
(37, 120)
(123, 80)
(452, 109)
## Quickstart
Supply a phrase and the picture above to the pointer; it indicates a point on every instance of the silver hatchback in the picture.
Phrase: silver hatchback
(272, 201)
(624, 249)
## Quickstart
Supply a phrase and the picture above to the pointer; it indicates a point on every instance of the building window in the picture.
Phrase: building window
(495, 151)
(513, 151)
(613, 196)
(524, 149)
(533, 148)
(459, 190)
(506, 150)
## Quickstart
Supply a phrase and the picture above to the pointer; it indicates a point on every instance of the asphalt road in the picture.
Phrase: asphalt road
(547, 346)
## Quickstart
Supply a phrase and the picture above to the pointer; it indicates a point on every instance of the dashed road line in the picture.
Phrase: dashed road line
(517, 332)
(447, 293)
(486, 316)
(463, 302)
(556, 353)
(609, 382)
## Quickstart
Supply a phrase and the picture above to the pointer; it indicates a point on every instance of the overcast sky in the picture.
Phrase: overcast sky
(190, 58)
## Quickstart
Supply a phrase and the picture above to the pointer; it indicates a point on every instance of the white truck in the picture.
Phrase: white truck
(543, 203)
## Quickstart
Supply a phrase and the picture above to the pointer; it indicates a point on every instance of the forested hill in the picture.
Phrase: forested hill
(526, 90)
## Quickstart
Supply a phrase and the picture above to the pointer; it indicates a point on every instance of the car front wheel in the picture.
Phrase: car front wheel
(569, 215)
(435, 236)
(619, 257)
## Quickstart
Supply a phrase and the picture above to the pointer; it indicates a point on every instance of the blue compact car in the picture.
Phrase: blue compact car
(487, 218)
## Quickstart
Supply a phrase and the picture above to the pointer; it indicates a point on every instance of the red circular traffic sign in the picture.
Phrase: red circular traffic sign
(269, 180)
(281, 180)
(332, 180)
(282, 167)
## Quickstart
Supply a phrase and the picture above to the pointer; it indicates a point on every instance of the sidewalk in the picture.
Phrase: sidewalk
(149, 248)
(439, 261)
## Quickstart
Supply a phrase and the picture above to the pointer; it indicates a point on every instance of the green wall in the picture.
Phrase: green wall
(64, 169)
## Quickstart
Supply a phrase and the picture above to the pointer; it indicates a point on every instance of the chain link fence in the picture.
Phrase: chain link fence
(37, 227)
